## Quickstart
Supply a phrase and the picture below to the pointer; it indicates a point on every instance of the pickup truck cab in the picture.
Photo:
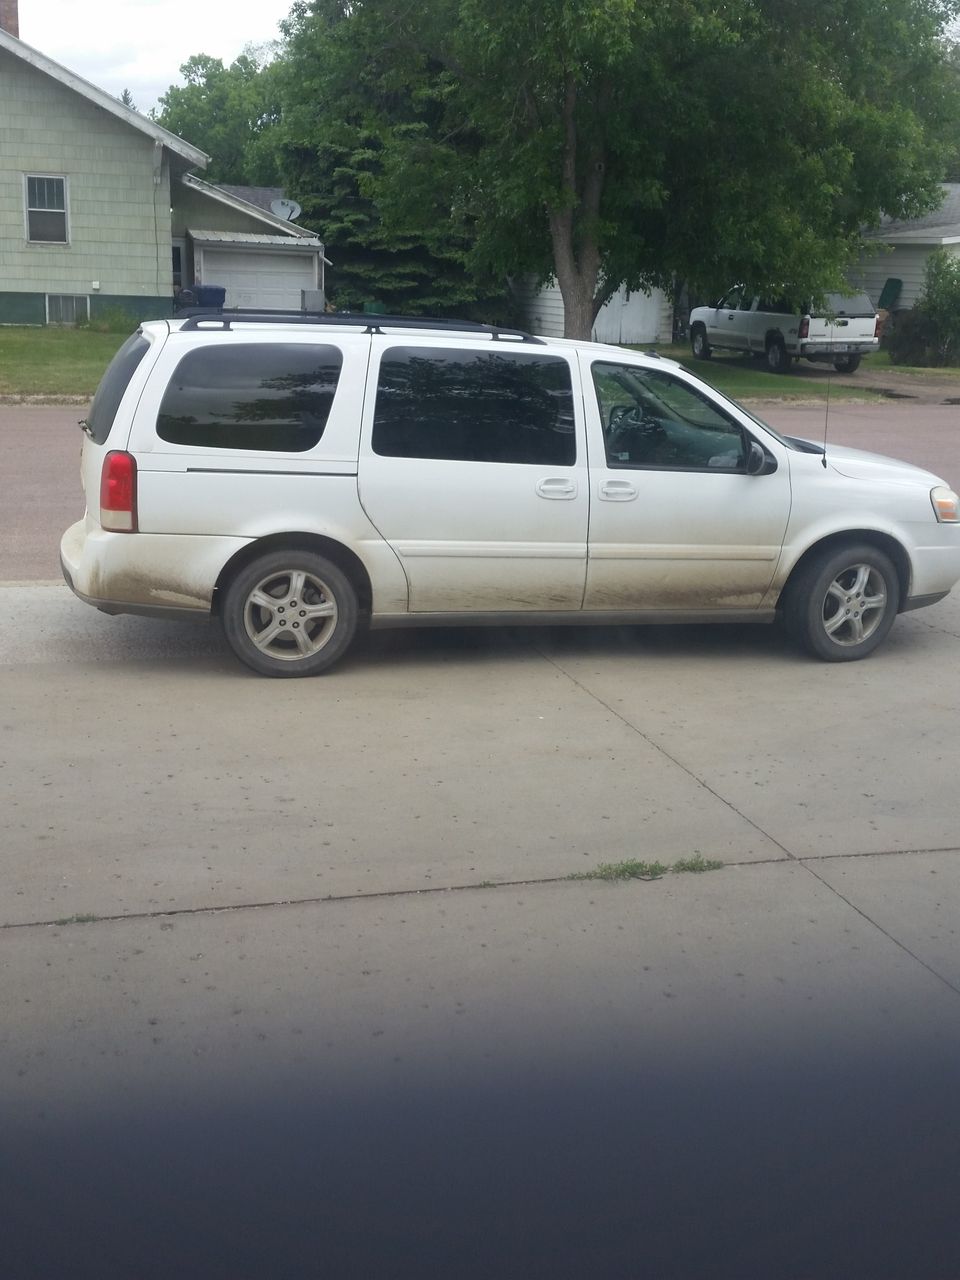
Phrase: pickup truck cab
(846, 329)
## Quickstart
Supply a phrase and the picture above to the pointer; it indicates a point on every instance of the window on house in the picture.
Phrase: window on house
(67, 308)
(47, 210)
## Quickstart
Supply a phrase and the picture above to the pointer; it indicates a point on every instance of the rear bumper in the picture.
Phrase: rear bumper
(171, 576)
(830, 351)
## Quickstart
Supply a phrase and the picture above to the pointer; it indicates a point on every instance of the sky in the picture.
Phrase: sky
(140, 44)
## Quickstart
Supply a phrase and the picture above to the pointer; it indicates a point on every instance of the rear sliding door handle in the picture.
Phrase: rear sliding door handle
(557, 488)
(618, 490)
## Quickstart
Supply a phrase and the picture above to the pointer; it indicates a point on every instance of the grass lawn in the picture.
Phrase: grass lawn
(881, 362)
(70, 362)
(744, 378)
(54, 362)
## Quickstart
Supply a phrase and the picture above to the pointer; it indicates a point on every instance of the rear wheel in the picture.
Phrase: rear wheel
(847, 364)
(777, 359)
(842, 604)
(290, 613)
(699, 343)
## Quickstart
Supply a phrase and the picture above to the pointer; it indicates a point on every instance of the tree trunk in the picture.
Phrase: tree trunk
(576, 254)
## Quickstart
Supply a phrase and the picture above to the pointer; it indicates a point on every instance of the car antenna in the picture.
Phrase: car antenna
(826, 421)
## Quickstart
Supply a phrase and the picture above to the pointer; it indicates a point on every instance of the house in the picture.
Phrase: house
(899, 250)
(101, 210)
(628, 317)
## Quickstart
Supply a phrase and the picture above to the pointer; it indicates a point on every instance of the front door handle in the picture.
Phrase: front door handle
(618, 490)
(557, 488)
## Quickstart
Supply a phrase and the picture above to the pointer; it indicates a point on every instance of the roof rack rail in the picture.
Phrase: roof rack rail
(194, 317)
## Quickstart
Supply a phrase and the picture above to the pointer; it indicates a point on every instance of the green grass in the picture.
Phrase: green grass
(882, 362)
(744, 378)
(634, 869)
(54, 362)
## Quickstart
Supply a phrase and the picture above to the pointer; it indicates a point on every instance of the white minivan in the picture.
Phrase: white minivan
(299, 477)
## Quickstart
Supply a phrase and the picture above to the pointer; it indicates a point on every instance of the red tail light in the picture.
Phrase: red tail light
(876, 328)
(804, 330)
(118, 493)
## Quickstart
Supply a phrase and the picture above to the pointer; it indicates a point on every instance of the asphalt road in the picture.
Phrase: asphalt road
(293, 980)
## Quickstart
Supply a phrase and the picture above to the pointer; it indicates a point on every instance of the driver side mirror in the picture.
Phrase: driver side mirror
(759, 462)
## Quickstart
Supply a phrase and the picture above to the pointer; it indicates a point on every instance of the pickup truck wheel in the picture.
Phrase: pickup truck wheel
(290, 613)
(699, 343)
(847, 364)
(777, 359)
(841, 605)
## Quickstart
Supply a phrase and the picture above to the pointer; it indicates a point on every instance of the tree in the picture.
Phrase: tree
(226, 111)
(330, 159)
(610, 141)
(126, 97)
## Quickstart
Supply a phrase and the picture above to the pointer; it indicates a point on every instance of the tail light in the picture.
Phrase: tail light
(876, 328)
(804, 330)
(118, 492)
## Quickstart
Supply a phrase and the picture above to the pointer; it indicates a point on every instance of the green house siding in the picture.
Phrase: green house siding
(192, 208)
(118, 205)
(23, 308)
(31, 308)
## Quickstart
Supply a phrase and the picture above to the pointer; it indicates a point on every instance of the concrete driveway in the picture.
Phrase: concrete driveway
(293, 981)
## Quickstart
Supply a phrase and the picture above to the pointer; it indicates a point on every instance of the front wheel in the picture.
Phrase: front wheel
(843, 603)
(847, 364)
(699, 343)
(290, 613)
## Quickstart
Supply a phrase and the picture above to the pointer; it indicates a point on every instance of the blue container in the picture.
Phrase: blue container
(209, 295)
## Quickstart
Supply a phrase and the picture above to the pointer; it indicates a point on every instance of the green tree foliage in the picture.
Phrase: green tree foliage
(601, 141)
(330, 146)
(126, 97)
(226, 111)
(442, 144)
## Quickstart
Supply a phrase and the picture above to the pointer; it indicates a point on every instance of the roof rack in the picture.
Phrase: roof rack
(194, 317)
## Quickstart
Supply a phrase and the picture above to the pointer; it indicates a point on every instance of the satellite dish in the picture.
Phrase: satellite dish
(286, 209)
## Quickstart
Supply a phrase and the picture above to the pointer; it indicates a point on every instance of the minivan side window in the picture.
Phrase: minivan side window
(112, 386)
(651, 419)
(474, 406)
(258, 395)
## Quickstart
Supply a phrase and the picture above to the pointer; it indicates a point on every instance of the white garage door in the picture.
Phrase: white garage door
(255, 279)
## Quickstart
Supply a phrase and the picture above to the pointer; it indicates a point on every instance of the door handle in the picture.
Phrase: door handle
(557, 488)
(618, 490)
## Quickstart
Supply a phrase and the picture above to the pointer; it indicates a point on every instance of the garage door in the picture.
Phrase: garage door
(254, 279)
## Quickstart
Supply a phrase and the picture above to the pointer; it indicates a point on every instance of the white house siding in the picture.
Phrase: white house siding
(906, 262)
(119, 218)
(633, 318)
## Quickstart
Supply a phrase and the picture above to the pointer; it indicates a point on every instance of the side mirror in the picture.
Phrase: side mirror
(759, 462)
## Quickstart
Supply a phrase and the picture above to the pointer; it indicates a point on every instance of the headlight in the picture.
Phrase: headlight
(946, 504)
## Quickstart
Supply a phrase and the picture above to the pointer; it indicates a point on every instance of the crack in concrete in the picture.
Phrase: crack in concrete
(666, 754)
(87, 918)
(885, 932)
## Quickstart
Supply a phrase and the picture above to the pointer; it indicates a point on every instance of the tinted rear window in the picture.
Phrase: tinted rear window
(112, 386)
(261, 396)
(474, 406)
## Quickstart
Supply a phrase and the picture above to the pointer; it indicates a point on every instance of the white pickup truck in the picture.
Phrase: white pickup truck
(846, 329)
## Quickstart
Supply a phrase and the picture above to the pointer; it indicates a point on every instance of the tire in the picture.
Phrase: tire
(842, 604)
(847, 364)
(777, 359)
(699, 344)
(290, 613)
